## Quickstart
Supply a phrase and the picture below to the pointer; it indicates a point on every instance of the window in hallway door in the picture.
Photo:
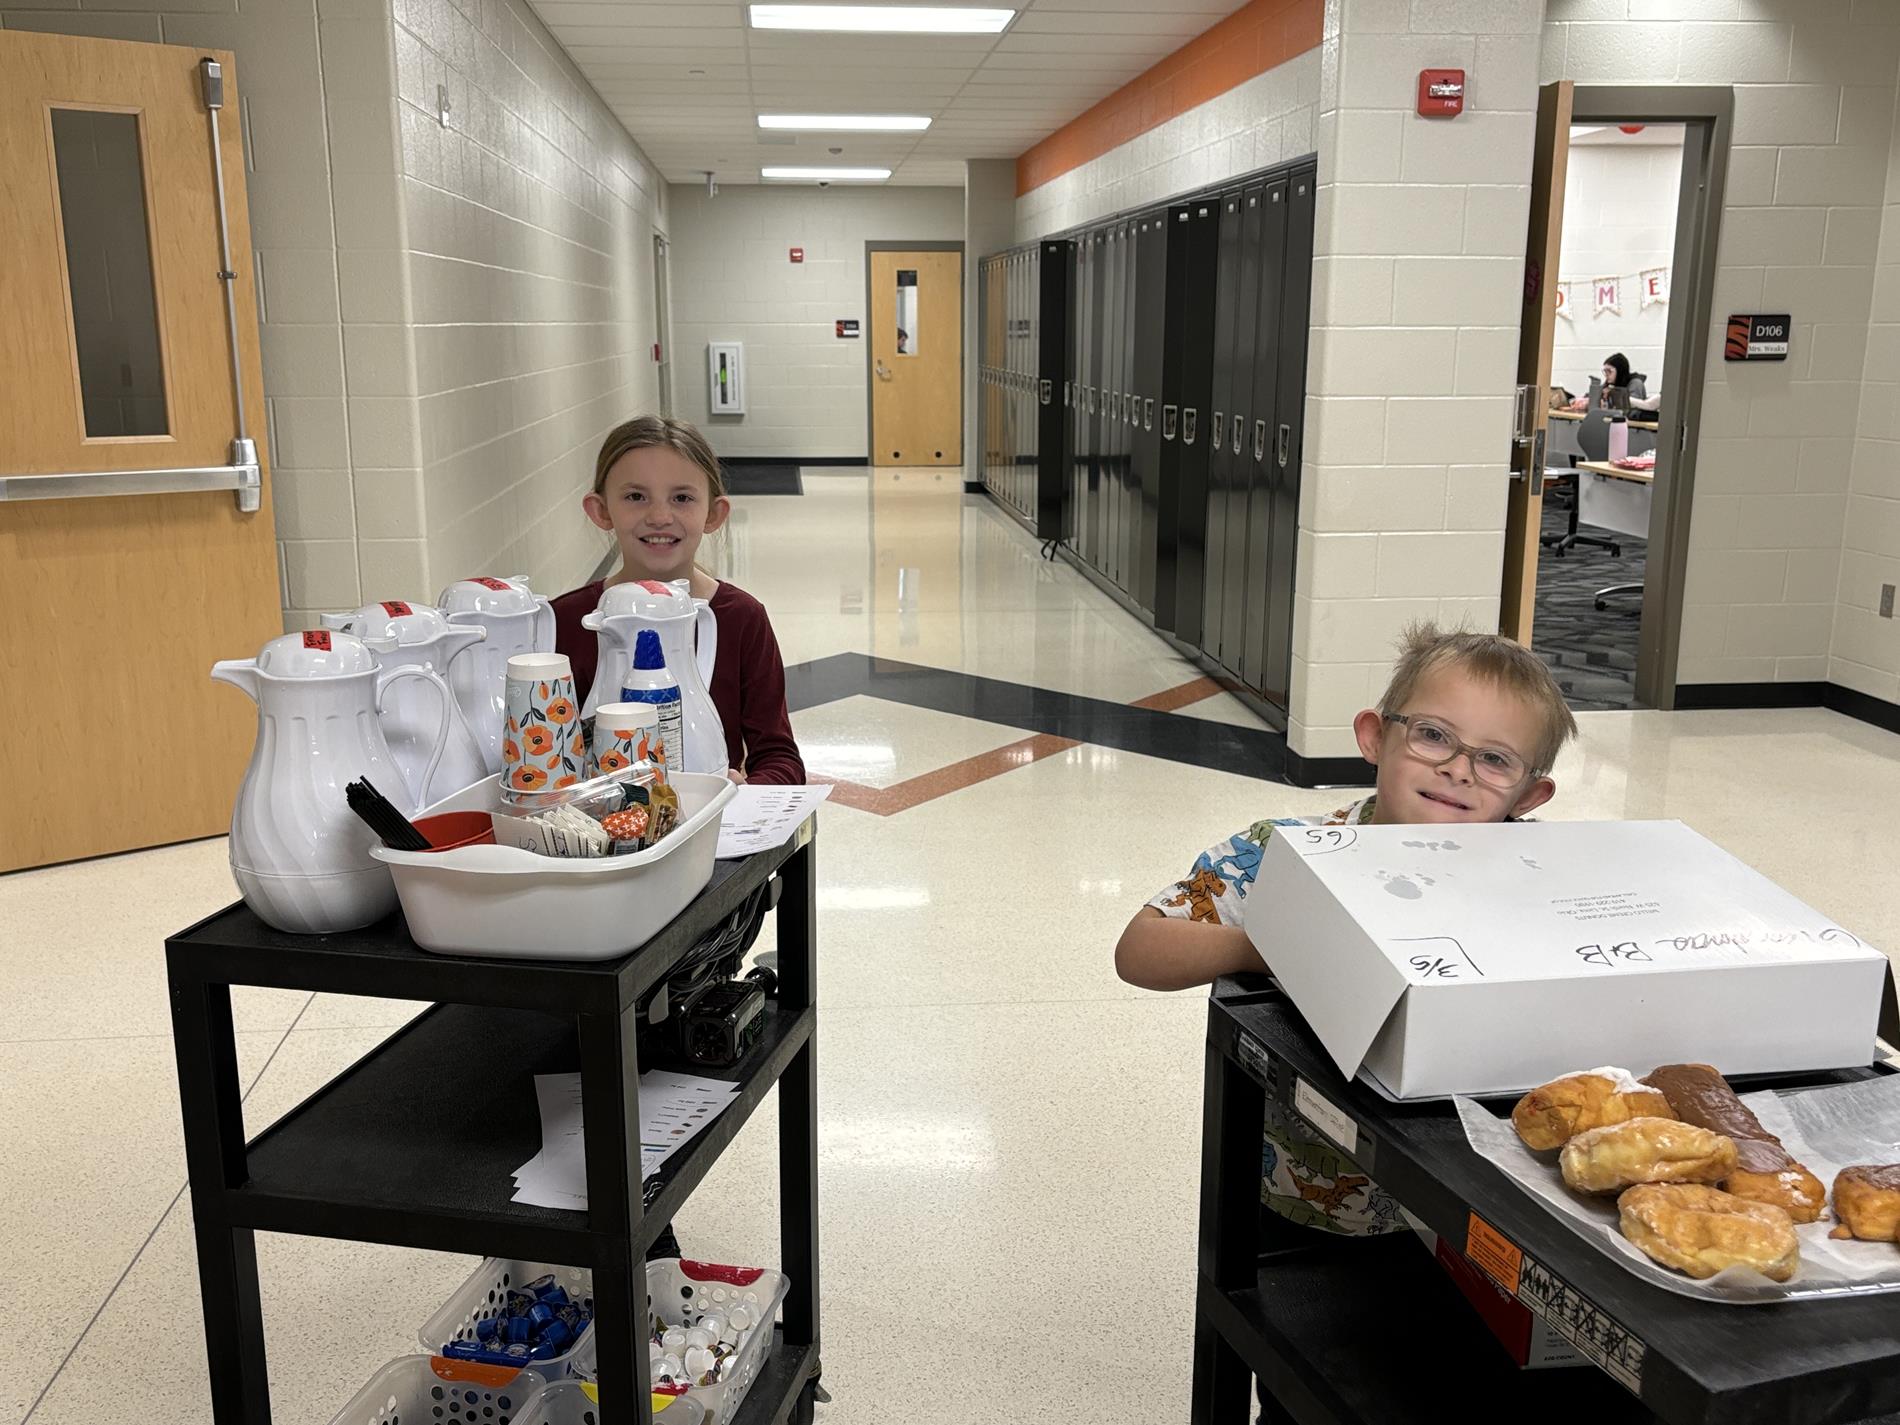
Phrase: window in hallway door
(113, 298)
(907, 311)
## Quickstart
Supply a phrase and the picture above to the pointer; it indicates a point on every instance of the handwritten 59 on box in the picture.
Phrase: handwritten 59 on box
(1490, 959)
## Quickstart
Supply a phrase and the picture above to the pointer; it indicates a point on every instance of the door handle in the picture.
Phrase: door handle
(1168, 420)
(1088, 393)
(1065, 393)
(1240, 432)
(883, 371)
(1220, 430)
(1148, 413)
(1048, 390)
(1188, 417)
(1284, 445)
(1259, 440)
(1131, 407)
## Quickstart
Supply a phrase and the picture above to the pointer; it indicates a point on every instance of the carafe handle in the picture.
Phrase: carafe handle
(387, 676)
(706, 630)
(544, 630)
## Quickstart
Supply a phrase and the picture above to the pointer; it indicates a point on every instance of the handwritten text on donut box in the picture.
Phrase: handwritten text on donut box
(1490, 958)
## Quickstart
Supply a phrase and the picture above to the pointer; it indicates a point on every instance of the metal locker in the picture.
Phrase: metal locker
(1106, 386)
(1191, 333)
(1099, 350)
(1296, 291)
(1175, 223)
(1235, 573)
(1084, 510)
(1052, 446)
(1131, 409)
(1266, 383)
(1150, 296)
(1071, 390)
(1219, 463)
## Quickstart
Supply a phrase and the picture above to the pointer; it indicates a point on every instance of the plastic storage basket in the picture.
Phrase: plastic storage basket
(676, 1288)
(505, 902)
(429, 1390)
(485, 1293)
(576, 1403)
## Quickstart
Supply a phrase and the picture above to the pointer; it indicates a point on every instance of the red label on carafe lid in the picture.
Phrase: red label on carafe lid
(488, 583)
(396, 608)
(654, 586)
(317, 638)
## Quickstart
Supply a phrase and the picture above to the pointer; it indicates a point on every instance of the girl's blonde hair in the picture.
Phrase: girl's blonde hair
(648, 432)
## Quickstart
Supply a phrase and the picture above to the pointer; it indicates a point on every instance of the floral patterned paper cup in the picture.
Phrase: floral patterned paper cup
(541, 747)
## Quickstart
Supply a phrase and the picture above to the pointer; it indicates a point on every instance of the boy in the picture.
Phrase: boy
(1467, 731)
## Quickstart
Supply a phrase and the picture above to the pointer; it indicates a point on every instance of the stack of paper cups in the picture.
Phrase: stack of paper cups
(541, 746)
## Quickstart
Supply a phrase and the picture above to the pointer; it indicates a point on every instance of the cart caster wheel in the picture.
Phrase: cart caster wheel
(1616, 551)
(1601, 606)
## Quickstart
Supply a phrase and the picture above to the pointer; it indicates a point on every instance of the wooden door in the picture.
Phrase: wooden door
(1524, 512)
(916, 358)
(117, 353)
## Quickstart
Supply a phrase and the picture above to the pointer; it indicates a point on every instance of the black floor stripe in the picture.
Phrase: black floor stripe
(1194, 742)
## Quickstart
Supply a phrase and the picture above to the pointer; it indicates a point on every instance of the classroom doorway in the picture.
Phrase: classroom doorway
(1620, 259)
(915, 302)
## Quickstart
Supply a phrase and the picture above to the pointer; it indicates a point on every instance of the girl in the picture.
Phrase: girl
(658, 488)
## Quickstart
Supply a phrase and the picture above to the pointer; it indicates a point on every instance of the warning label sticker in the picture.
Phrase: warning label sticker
(1600, 1338)
(1494, 1253)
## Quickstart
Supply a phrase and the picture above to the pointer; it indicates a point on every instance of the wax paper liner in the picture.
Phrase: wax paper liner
(1826, 1128)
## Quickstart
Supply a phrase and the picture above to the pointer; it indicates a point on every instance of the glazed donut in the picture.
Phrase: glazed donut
(1645, 1150)
(1550, 1116)
(1702, 1230)
(1763, 1170)
(1867, 1200)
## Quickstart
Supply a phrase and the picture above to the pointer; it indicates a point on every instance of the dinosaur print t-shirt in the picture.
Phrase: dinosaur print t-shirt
(1302, 1177)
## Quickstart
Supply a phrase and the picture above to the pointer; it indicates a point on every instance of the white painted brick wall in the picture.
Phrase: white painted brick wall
(1864, 649)
(1417, 281)
(733, 280)
(1265, 121)
(527, 243)
(1808, 175)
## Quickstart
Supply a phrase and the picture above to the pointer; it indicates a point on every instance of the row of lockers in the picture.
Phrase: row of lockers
(1143, 385)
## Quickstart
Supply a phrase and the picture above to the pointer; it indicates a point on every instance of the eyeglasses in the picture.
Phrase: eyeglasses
(1435, 743)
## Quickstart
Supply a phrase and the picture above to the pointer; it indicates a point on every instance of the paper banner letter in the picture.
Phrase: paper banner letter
(1608, 296)
(1563, 300)
(1655, 284)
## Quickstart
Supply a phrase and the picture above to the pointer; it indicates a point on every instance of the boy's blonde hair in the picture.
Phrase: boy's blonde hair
(646, 432)
(1504, 663)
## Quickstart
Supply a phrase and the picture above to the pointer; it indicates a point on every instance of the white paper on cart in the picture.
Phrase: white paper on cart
(1826, 1128)
(673, 1109)
(764, 818)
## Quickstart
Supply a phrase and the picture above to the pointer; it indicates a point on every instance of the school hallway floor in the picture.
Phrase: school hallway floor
(1009, 1135)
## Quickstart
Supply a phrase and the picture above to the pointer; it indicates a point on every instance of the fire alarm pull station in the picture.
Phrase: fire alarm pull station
(798, 254)
(1441, 93)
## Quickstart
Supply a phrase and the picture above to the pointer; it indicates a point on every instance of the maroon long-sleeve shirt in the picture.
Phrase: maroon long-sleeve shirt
(748, 682)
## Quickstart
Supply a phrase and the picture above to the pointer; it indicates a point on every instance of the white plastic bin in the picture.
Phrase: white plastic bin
(505, 902)
(433, 1391)
(485, 1294)
(577, 1403)
(677, 1289)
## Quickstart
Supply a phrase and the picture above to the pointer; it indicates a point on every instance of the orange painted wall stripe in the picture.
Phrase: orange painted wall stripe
(1250, 41)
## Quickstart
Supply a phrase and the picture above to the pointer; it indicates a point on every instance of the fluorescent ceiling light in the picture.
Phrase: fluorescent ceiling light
(844, 123)
(883, 19)
(825, 175)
